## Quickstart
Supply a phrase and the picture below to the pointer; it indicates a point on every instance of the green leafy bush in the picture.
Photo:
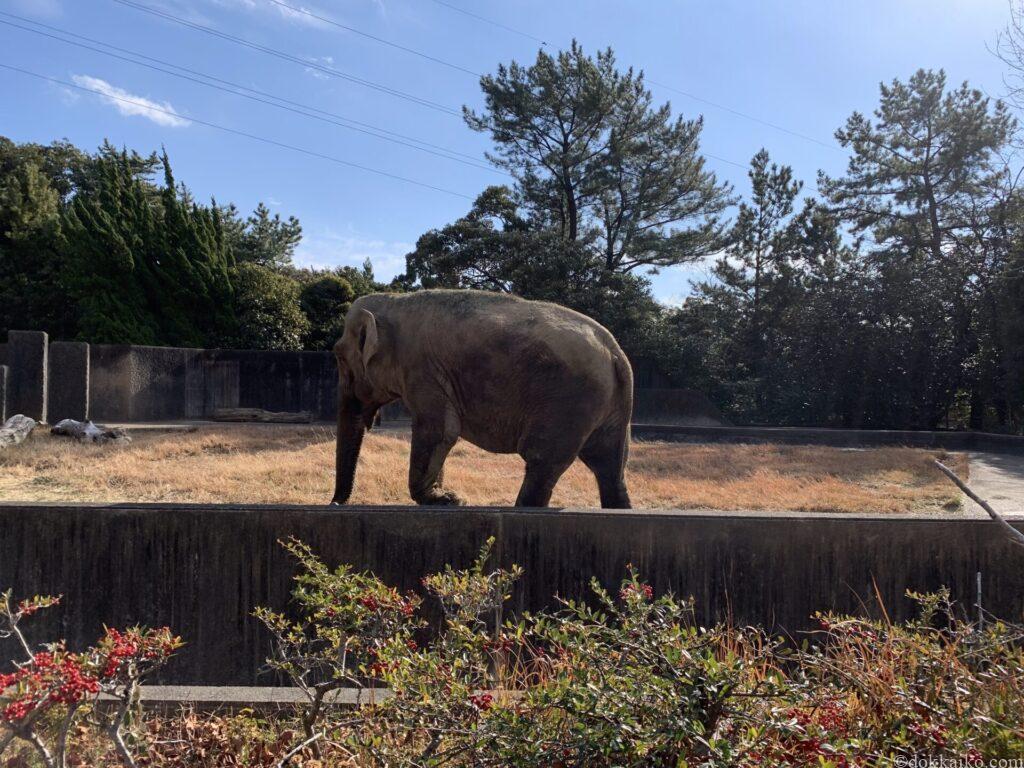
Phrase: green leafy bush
(629, 679)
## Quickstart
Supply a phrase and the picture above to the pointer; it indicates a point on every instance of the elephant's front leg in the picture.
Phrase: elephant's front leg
(431, 442)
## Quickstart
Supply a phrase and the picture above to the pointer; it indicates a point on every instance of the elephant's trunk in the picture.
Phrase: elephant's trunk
(350, 439)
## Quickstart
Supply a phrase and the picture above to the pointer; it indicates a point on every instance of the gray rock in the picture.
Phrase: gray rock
(16, 429)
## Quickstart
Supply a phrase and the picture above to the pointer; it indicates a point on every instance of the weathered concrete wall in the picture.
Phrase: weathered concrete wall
(27, 385)
(203, 569)
(4, 373)
(134, 383)
(285, 381)
(68, 381)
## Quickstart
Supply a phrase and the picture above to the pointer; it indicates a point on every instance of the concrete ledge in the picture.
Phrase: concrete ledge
(202, 569)
(853, 438)
(212, 698)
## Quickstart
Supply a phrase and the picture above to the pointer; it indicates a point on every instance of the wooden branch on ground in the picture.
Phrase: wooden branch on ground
(1015, 536)
(260, 415)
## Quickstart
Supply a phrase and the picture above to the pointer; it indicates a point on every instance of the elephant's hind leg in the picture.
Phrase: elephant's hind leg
(549, 446)
(605, 454)
(431, 442)
(539, 482)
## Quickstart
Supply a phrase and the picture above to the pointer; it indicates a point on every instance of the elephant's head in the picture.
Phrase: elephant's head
(361, 391)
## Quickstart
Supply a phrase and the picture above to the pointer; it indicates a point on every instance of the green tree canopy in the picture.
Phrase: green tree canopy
(267, 304)
(594, 160)
(325, 302)
(262, 238)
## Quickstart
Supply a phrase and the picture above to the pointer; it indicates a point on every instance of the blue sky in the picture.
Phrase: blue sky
(800, 64)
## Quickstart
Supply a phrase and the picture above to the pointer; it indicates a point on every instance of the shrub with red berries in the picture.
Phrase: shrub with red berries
(53, 683)
(48, 679)
(627, 678)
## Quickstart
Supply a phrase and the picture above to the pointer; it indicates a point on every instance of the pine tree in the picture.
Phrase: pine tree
(29, 265)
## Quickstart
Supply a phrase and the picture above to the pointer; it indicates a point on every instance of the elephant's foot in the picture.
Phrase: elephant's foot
(437, 497)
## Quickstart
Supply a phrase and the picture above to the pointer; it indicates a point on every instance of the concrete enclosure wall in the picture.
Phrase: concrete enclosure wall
(129, 383)
(675, 406)
(27, 388)
(132, 383)
(3, 393)
(203, 569)
(68, 378)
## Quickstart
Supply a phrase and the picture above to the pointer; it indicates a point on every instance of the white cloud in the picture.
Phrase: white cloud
(673, 285)
(324, 61)
(298, 13)
(128, 104)
(334, 249)
(50, 9)
(301, 14)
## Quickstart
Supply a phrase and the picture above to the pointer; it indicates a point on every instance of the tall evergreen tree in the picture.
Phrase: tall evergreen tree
(109, 238)
(262, 238)
(29, 264)
(593, 160)
(917, 170)
(753, 289)
(195, 294)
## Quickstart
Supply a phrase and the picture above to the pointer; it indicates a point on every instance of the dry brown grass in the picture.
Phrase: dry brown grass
(276, 464)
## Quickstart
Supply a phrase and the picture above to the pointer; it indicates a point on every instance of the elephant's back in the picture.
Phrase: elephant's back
(500, 335)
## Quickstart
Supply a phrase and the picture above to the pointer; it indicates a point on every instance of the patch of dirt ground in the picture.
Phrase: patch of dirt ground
(295, 465)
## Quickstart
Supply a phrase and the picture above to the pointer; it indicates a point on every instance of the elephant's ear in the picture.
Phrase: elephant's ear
(369, 341)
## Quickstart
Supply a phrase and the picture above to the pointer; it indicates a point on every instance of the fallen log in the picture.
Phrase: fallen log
(87, 432)
(260, 415)
(16, 429)
(1011, 533)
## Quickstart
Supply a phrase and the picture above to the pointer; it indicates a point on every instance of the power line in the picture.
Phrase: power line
(289, 57)
(723, 160)
(455, 66)
(305, 110)
(731, 110)
(736, 112)
(329, 70)
(273, 142)
(381, 40)
(493, 23)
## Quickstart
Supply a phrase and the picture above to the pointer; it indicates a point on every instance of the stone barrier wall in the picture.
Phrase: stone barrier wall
(68, 377)
(28, 384)
(203, 569)
(134, 383)
(131, 383)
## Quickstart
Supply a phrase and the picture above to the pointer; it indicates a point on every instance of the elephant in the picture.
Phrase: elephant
(504, 373)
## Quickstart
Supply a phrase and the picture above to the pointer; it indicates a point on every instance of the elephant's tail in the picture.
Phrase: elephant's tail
(623, 408)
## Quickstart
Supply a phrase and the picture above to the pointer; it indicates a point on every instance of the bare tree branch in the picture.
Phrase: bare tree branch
(1015, 536)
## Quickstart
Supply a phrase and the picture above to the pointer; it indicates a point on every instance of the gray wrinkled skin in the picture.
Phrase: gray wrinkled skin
(506, 374)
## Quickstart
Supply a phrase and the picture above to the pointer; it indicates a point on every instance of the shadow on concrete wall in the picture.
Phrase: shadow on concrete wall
(203, 569)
